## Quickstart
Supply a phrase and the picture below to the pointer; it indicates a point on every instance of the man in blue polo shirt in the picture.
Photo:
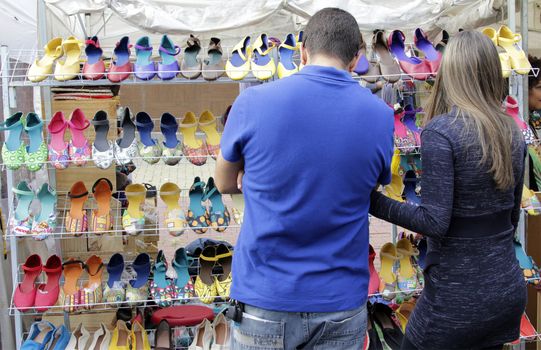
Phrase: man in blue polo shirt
(312, 147)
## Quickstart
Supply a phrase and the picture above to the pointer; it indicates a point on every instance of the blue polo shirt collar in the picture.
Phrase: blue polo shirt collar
(327, 72)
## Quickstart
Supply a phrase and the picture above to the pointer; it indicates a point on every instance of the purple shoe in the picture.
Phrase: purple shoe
(410, 121)
(168, 68)
(144, 67)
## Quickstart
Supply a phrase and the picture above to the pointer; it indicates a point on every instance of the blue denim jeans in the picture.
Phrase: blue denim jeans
(273, 330)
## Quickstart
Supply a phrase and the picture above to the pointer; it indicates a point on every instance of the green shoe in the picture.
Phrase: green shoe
(36, 152)
(14, 150)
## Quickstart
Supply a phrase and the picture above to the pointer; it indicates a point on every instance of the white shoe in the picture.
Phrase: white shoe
(79, 339)
(203, 336)
(222, 333)
(101, 339)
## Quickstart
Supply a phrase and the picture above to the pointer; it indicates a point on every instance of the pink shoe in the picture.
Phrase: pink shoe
(94, 67)
(25, 294)
(79, 149)
(511, 108)
(404, 139)
(47, 294)
(121, 68)
(432, 56)
(58, 148)
(373, 284)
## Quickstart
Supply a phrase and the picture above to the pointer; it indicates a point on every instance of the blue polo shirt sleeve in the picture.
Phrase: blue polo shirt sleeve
(237, 130)
(388, 151)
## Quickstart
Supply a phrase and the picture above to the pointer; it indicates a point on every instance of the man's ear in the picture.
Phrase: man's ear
(354, 61)
(304, 55)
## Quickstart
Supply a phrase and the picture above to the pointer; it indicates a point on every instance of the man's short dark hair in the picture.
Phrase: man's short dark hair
(333, 32)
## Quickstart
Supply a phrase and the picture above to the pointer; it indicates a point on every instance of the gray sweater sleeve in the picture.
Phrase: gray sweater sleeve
(515, 215)
(433, 216)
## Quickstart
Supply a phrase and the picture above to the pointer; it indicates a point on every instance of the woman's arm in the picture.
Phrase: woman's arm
(515, 215)
(433, 216)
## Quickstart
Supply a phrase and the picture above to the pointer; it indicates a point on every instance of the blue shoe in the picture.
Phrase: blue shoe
(149, 148)
(42, 330)
(144, 67)
(60, 339)
(184, 288)
(14, 150)
(138, 289)
(115, 290)
(45, 221)
(219, 215)
(172, 147)
(161, 289)
(21, 221)
(198, 217)
(36, 151)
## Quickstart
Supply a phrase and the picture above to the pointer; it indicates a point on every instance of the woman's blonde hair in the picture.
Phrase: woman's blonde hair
(470, 80)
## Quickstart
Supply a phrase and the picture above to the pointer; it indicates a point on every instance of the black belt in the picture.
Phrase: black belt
(480, 226)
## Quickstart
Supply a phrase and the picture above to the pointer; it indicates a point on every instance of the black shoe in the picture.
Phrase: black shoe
(392, 334)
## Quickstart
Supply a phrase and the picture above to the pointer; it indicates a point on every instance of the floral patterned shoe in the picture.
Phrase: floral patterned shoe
(115, 288)
(14, 150)
(92, 291)
(45, 221)
(58, 148)
(207, 124)
(205, 286)
(404, 139)
(407, 275)
(126, 146)
(194, 149)
(133, 219)
(528, 266)
(174, 216)
(36, 151)
(71, 294)
(21, 221)
(102, 149)
(198, 216)
(223, 282)
(162, 290)
(149, 148)
(388, 284)
(219, 215)
(76, 218)
(137, 290)
(79, 149)
(184, 288)
(172, 147)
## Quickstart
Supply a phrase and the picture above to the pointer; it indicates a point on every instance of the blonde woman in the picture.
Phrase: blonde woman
(473, 167)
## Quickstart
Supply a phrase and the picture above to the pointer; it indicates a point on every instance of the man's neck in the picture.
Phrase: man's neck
(326, 61)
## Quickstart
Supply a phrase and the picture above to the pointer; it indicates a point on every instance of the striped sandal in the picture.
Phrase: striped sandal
(77, 219)
(71, 294)
(100, 218)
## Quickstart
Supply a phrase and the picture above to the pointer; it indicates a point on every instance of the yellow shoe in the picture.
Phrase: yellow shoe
(238, 65)
(175, 221)
(120, 338)
(510, 42)
(207, 124)
(388, 280)
(396, 187)
(133, 219)
(70, 68)
(223, 282)
(404, 312)
(286, 66)
(530, 202)
(505, 61)
(492, 34)
(205, 288)
(263, 66)
(41, 68)
(139, 337)
(192, 147)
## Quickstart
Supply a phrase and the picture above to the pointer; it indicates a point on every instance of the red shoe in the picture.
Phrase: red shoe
(373, 284)
(527, 330)
(94, 67)
(47, 294)
(25, 294)
(121, 68)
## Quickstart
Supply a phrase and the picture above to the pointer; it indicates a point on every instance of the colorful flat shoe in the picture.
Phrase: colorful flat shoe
(407, 275)
(126, 145)
(263, 66)
(207, 124)
(237, 66)
(198, 216)
(149, 148)
(101, 220)
(76, 218)
(94, 67)
(432, 56)
(511, 108)
(175, 221)
(79, 338)
(183, 285)
(70, 67)
(36, 151)
(133, 219)
(45, 220)
(47, 293)
(43, 67)
(413, 66)
(219, 215)
(102, 149)
(224, 257)
(144, 67)
(172, 147)
(39, 336)
(373, 284)
(530, 202)
(190, 67)
(404, 140)
(528, 266)
(121, 68)
(25, 293)
(388, 285)
(100, 339)
(162, 290)
(410, 188)
(71, 294)
(92, 291)
(193, 148)
(205, 286)
(137, 290)
(138, 337)
(510, 42)
(21, 221)
(79, 148)
(58, 148)
(238, 208)
(168, 68)
(410, 121)
(214, 64)
(388, 66)
(13, 150)
(115, 288)
(60, 338)
(287, 66)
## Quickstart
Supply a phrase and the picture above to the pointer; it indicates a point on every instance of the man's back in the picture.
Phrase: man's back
(314, 146)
